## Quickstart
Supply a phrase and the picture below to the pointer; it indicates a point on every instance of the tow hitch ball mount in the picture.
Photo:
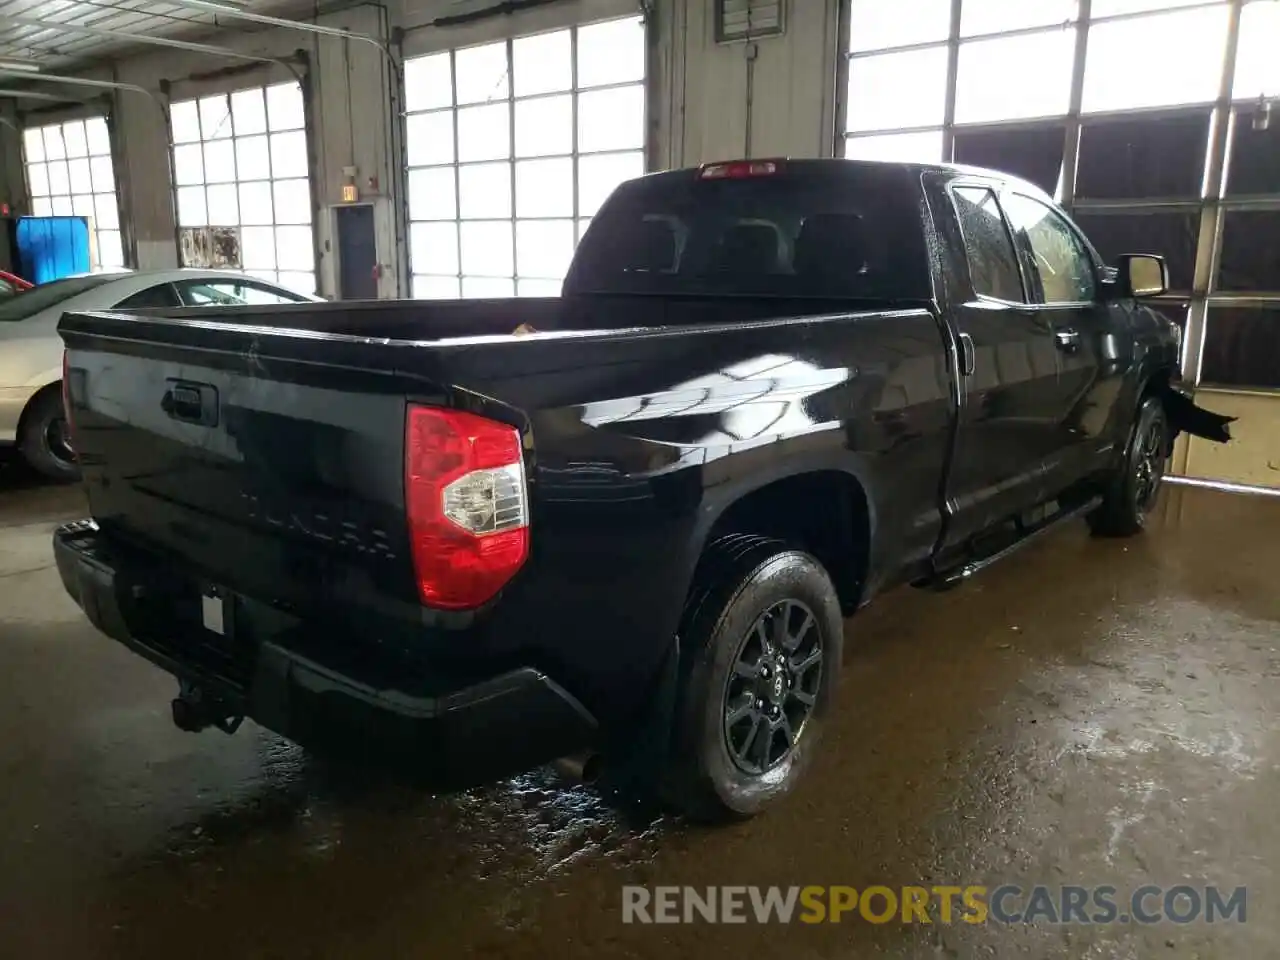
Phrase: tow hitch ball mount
(195, 708)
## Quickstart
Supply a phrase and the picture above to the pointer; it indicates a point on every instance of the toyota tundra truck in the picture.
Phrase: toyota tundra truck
(466, 538)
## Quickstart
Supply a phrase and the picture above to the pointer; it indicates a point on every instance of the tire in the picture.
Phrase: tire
(45, 440)
(1132, 489)
(720, 769)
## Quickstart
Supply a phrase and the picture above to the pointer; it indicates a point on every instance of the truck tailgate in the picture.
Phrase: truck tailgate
(268, 461)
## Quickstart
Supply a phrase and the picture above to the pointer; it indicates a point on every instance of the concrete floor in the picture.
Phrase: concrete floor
(1091, 712)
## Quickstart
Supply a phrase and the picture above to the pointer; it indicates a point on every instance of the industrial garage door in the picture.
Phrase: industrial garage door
(512, 146)
(240, 160)
(1146, 120)
(69, 173)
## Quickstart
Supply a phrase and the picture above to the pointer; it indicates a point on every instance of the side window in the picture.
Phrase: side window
(993, 263)
(158, 296)
(204, 293)
(1061, 260)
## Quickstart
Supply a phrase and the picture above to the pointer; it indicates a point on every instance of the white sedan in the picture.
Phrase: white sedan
(31, 351)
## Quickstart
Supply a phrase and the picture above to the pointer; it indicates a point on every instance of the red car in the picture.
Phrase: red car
(11, 284)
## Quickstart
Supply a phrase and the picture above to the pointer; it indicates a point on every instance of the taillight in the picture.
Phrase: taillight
(467, 505)
(738, 169)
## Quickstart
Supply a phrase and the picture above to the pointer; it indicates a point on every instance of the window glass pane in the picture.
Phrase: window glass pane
(59, 179)
(542, 63)
(1015, 77)
(1241, 345)
(1253, 167)
(253, 158)
(292, 201)
(429, 138)
(38, 179)
(185, 121)
(302, 281)
(248, 112)
(255, 204)
(1250, 258)
(1061, 261)
(484, 133)
(544, 126)
(993, 265)
(433, 247)
(544, 188)
(1169, 235)
(538, 288)
(874, 23)
(293, 248)
(289, 154)
(54, 149)
(215, 118)
(611, 52)
(82, 206)
(78, 174)
(191, 209)
(481, 73)
(96, 133)
(106, 211)
(896, 90)
(258, 247)
(598, 176)
(62, 206)
(490, 287)
(110, 250)
(484, 190)
(1171, 59)
(42, 207)
(993, 16)
(73, 136)
(431, 194)
(1257, 65)
(436, 288)
(103, 175)
(1033, 153)
(1112, 8)
(611, 119)
(221, 202)
(1143, 157)
(428, 83)
(284, 107)
(925, 147)
(486, 249)
(33, 145)
(544, 248)
(219, 161)
(582, 227)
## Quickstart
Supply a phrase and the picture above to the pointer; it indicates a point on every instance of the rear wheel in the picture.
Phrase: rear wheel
(45, 439)
(1132, 491)
(763, 640)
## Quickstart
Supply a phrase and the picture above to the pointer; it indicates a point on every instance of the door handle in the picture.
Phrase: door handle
(1067, 339)
(191, 402)
(967, 356)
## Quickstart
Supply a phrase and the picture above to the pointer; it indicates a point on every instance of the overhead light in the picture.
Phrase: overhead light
(23, 66)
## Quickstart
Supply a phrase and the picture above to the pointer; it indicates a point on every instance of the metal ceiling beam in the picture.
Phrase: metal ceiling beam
(78, 81)
(134, 38)
(237, 13)
(34, 95)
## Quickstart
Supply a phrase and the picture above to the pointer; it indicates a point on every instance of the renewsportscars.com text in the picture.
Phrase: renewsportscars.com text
(1007, 904)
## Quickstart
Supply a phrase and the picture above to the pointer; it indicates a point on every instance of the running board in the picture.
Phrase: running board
(946, 579)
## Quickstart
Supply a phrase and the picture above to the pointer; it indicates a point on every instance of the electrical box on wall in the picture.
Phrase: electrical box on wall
(742, 20)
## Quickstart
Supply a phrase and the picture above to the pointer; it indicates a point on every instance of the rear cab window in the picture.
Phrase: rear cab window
(854, 231)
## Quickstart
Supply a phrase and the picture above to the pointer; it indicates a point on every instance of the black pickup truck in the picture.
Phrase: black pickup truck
(406, 532)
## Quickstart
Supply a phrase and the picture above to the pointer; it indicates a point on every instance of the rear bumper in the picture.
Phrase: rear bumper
(449, 735)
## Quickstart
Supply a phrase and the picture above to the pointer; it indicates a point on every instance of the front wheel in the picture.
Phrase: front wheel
(46, 438)
(1131, 493)
(762, 641)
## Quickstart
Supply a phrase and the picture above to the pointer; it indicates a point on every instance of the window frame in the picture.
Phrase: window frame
(1027, 255)
(996, 189)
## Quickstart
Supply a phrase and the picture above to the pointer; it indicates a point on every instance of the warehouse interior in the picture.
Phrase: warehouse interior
(1095, 714)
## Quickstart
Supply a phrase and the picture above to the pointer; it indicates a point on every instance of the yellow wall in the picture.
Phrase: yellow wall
(1252, 456)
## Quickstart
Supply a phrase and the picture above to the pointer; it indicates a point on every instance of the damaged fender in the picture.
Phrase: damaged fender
(1184, 415)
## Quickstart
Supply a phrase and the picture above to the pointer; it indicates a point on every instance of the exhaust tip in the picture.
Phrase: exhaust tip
(579, 767)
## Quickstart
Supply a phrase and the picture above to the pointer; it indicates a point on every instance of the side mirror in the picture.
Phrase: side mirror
(1141, 275)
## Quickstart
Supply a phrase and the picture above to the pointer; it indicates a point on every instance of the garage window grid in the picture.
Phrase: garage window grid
(1114, 107)
(240, 160)
(70, 173)
(512, 146)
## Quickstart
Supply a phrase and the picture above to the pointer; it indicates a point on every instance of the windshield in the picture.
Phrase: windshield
(46, 295)
(844, 232)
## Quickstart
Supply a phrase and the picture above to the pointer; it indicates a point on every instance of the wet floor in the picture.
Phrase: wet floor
(1091, 712)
